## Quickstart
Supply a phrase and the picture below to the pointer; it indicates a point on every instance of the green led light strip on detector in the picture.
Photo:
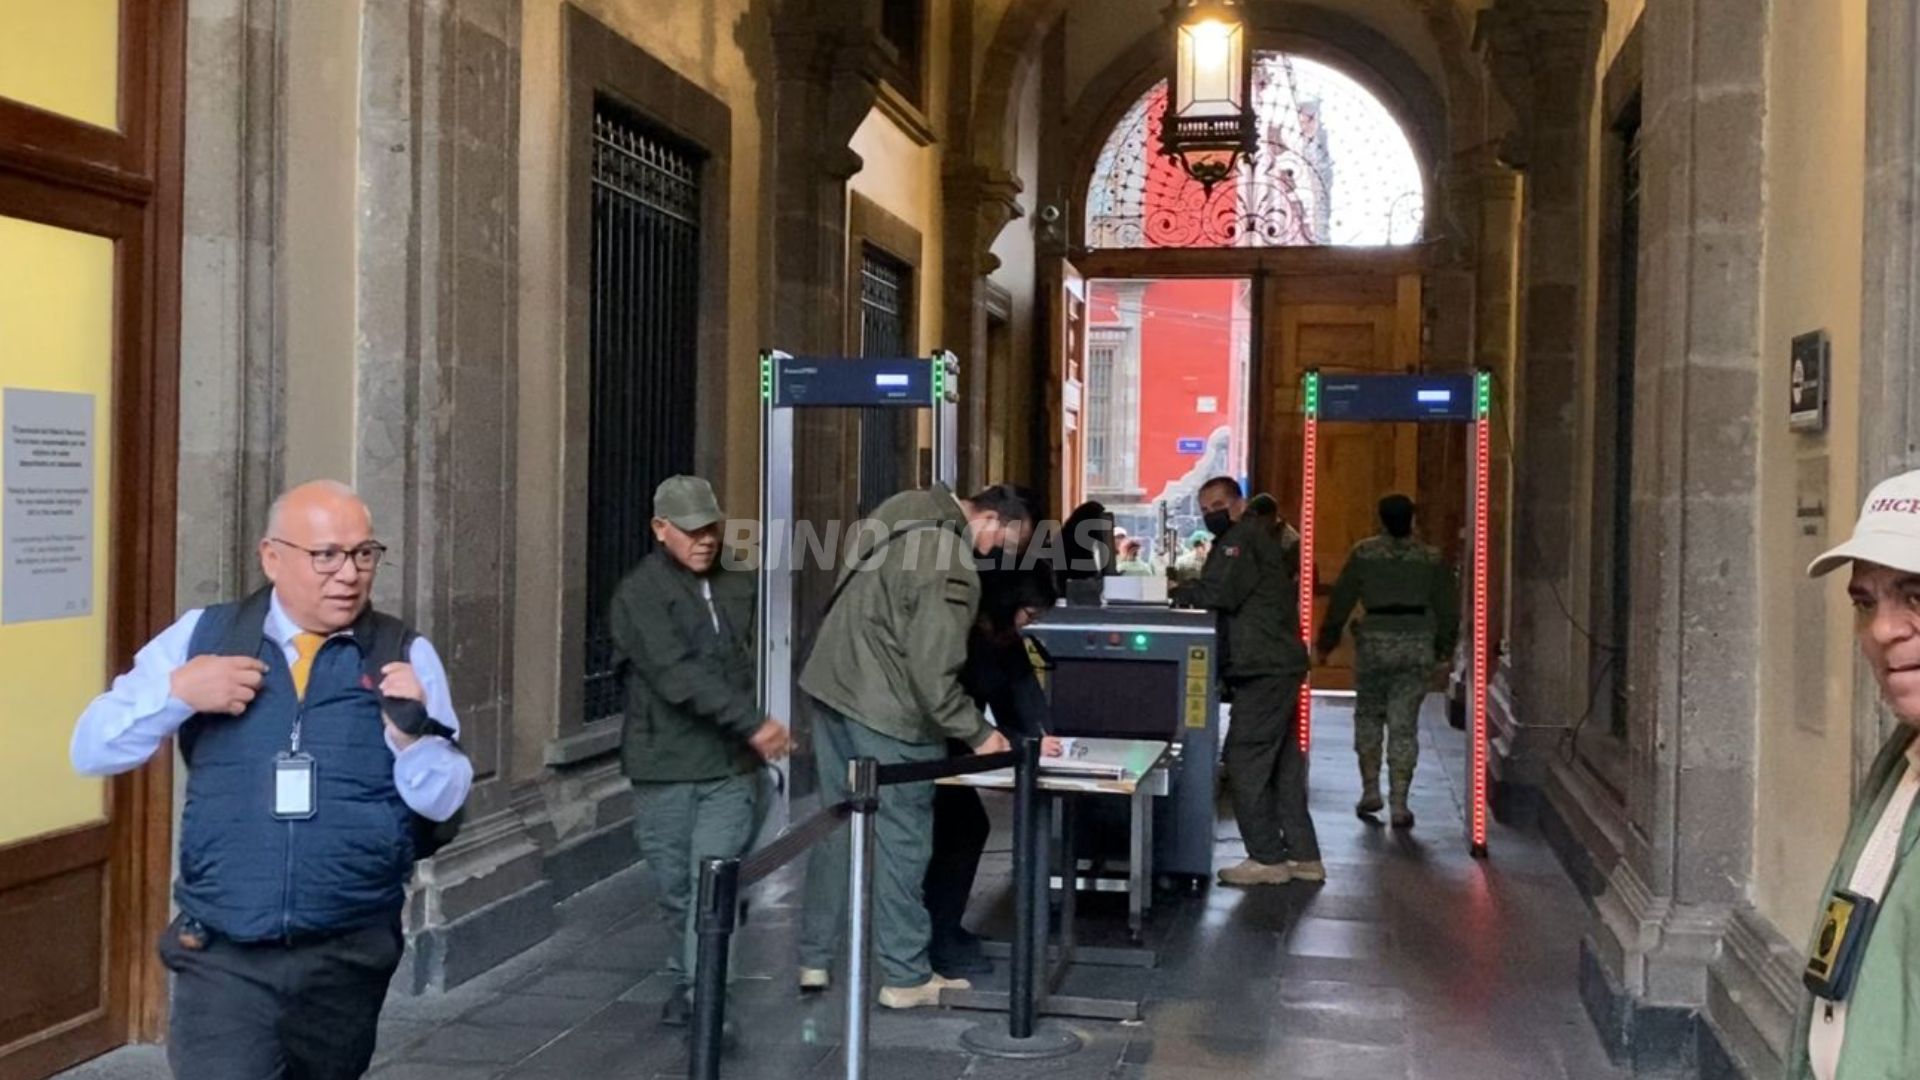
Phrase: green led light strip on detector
(1313, 393)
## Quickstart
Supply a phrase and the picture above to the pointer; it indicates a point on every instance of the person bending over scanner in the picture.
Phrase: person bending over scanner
(885, 673)
(694, 739)
(319, 739)
(1251, 580)
(1411, 624)
(999, 676)
(1862, 1017)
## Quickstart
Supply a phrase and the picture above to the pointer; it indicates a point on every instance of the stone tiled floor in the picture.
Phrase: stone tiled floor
(1414, 962)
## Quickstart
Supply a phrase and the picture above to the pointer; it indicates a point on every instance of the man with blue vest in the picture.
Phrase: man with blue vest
(320, 744)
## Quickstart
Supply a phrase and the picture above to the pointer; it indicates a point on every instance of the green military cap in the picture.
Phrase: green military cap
(687, 502)
(1200, 536)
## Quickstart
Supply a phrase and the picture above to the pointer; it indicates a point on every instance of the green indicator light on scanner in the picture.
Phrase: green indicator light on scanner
(1139, 641)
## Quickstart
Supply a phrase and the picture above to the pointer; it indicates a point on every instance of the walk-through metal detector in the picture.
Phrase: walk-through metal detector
(1399, 399)
(791, 382)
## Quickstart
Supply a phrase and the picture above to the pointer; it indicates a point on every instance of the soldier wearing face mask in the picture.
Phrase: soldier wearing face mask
(1251, 580)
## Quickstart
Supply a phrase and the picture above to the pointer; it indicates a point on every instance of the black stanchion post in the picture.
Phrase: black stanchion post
(714, 923)
(1024, 1038)
(1026, 820)
(864, 781)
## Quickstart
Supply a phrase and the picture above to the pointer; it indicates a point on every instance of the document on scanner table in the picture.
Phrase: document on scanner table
(1106, 758)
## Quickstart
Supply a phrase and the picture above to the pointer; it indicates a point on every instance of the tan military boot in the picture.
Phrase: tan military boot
(1311, 872)
(1252, 872)
(922, 996)
(1369, 803)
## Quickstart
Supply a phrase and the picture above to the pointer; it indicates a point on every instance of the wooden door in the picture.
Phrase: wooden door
(1337, 324)
(90, 152)
(1065, 289)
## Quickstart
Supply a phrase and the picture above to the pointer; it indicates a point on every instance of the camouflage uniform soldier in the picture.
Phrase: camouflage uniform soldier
(1410, 625)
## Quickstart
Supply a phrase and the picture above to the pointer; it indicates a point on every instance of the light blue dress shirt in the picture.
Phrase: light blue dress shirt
(123, 727)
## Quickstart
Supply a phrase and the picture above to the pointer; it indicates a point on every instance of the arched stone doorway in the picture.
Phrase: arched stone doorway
(1333, 249)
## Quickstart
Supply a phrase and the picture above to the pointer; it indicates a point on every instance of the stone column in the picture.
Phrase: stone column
(826, 61)
(232, 401)
(435, 423)
(977, 202)
(1688, 859)
(1541, 56)
(1495, 191)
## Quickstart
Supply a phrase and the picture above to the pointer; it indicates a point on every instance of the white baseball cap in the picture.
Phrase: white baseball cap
(1888, 531)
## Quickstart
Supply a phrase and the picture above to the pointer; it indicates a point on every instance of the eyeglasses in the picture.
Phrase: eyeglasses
(327, 561)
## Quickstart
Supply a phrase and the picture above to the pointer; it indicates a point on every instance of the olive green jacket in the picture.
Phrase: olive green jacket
(691, 693)
(890, 649)
(1251, 578)
(1883, 1011)
(1385, 572)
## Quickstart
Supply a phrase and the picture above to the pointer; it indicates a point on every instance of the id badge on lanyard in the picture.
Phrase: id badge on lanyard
(293, 786)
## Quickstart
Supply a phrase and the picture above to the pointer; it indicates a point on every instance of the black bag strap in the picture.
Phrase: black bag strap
(382, 639)
(898, 532)
(249, 625)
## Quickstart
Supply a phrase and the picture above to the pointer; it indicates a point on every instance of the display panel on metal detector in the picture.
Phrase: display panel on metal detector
(806, 383)
(1396, 398)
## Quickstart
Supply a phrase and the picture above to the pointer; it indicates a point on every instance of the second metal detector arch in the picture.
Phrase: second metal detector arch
(1397, 399)
(788, 383)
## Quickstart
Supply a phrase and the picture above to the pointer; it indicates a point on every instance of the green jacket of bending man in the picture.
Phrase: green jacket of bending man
(889, 652)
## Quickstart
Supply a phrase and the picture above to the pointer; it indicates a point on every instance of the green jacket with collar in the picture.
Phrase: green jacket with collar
(1883, 1014)
(691, 694)
(1252, 578)
(890, 649)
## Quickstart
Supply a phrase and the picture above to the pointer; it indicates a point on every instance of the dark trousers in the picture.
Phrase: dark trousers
(1267, 773)
(960, 831)
(278, 1012)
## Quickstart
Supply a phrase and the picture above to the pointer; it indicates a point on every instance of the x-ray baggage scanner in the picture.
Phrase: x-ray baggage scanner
(788, 383)
(1144, 672)
(1399, 399)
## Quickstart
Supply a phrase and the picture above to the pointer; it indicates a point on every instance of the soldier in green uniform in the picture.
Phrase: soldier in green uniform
(1251, 579)
(1410, 625)
(694, 737)
(885, 673)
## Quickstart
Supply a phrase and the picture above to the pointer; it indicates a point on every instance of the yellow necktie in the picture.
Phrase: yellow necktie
(305, 646)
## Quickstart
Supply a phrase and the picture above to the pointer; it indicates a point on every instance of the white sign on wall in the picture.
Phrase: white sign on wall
(46, 522)
(1207, 405)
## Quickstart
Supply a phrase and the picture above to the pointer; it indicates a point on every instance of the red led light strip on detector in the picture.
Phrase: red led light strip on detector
(1310, 467)
(1482, 436)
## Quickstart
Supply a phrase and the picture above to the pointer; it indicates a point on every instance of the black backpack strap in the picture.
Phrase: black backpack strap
(898, 532)
(249, 625)
(383, 640)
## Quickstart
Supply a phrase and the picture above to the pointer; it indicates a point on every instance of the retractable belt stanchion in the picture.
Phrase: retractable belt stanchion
(714, 923)
(724, 881)
(1023, 1037)
(865, 782)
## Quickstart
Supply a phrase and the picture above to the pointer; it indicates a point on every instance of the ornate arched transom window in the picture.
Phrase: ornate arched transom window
(1333, 168)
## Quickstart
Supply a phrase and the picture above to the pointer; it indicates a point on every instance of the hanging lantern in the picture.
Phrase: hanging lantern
(1208, 127)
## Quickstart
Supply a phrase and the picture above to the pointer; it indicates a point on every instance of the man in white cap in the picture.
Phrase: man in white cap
(1862, 1017)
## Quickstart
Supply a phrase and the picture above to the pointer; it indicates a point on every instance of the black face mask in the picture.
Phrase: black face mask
(1218, 522)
